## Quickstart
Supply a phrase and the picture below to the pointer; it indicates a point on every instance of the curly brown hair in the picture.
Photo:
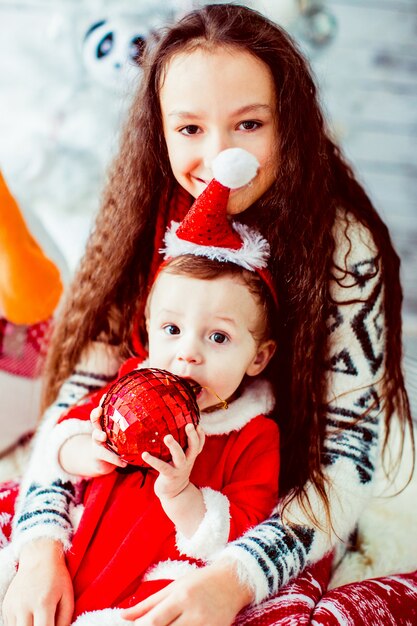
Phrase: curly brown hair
(296, 214)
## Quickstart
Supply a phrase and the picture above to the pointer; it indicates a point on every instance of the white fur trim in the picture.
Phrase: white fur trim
(253, 254)
(234, 167)
(169, 570)
(104, 617)
(213, 532)
(256, 399)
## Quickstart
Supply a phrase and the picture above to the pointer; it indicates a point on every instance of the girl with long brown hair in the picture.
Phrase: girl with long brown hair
(224, 76)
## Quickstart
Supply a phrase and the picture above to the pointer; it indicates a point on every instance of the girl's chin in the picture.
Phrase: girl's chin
(238, 203)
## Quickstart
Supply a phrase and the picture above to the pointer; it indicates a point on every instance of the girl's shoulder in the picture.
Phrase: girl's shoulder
(355, 248)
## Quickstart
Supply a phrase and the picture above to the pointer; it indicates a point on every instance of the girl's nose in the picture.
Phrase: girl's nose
(215, 144)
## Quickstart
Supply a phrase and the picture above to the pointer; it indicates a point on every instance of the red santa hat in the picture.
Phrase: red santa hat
(206, 229)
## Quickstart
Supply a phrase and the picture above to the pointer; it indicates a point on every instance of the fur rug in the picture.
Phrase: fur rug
(387, 538)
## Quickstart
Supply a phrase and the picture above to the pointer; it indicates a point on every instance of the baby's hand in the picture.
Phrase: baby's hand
(175, 476)
(105, 461)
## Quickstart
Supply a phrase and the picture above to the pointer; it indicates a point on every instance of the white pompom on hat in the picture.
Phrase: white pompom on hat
(235, 167)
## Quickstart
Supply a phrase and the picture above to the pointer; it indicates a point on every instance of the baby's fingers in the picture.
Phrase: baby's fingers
(95, 416)
(196, 439)
(99, 436)
(102, 452)
(106, 455)
(156, 463)
(177, 453)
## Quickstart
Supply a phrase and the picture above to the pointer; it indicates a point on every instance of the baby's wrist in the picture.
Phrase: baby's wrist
(171, 495)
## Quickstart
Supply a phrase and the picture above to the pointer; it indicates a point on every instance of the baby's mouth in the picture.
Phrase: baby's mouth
(195, 386)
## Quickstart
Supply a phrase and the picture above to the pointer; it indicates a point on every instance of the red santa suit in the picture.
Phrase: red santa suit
(125, 547)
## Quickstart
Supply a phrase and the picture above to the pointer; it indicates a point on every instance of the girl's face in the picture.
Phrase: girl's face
(213, 100)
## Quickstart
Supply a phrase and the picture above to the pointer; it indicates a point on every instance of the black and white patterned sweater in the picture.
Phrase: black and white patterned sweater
(274, 552)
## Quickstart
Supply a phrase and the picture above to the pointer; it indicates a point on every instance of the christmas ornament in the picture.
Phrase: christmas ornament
(144, 406)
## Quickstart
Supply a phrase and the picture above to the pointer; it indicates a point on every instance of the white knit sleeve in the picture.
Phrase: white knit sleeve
(49, 496)
(279, 549)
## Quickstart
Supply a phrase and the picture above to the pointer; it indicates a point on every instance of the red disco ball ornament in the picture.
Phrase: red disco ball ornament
(144, 406)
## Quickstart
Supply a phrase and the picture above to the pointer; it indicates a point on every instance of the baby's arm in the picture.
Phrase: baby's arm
(182, 501)
(86, 454)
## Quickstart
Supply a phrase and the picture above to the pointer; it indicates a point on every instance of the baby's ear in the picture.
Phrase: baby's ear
(264, 354)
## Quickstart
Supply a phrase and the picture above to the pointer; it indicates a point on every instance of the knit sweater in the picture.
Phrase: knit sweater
(277, 550)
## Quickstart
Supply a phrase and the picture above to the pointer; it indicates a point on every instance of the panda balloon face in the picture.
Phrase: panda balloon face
(112, 50)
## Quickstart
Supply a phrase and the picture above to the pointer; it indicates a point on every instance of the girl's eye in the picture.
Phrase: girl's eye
(171, 329)
(191, 129)
(218, 338)
(250, 125)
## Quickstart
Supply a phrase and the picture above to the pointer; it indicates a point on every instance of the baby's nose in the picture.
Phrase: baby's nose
(189, 352)
(188, 358)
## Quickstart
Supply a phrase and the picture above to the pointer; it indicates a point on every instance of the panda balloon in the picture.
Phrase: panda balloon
(112, 47)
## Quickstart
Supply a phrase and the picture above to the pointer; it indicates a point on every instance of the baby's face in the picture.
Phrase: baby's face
(204, 330)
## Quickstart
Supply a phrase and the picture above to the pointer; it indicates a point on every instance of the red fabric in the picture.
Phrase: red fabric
(23, 348)
(8, 495)
(124, 530)
(173, 209)
(295, 602)
(387, 601)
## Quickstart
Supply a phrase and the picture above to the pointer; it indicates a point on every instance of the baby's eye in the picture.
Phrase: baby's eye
(218, 337)
(172, 329)
(249, 125)
(191, 129)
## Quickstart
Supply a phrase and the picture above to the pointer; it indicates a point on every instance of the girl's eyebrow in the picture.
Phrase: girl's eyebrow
(248, 108)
